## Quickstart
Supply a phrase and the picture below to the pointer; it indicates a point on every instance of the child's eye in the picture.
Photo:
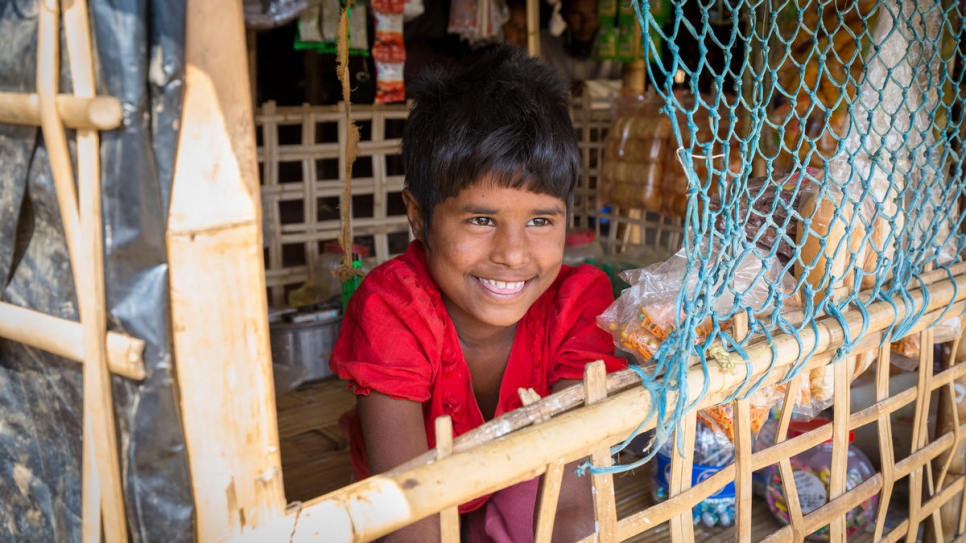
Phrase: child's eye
(540, 221)
(481, 221)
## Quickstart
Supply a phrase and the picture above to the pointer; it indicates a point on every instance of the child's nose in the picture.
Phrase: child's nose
(510, 247)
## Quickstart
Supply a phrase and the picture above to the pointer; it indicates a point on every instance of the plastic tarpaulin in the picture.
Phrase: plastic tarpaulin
(139, 59)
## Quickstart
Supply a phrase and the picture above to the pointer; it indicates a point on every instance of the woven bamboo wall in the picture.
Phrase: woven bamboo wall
(539, 438)
(301, 155)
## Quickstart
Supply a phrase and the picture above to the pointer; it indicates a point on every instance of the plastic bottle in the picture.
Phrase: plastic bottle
(812, 470)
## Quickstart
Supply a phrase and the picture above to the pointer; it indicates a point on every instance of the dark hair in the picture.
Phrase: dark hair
(501, 114)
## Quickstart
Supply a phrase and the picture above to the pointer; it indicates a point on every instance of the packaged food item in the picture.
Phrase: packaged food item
(767, 211)
(389, 51)
(644, 314)
(812, 470)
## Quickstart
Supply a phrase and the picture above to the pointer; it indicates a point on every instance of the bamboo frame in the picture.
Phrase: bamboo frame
(424, 486)
(220, 330)
(65, 338)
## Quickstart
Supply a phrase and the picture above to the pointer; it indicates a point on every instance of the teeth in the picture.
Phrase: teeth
(503, 285)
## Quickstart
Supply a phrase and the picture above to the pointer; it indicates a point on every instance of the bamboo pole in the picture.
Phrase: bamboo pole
(605, 509)
(65, 338)
(94, 113)
(449, 519)
(98, 399)
(220, 332)
(101, 471)
(546, 509)
(533, 28)
(682, 526)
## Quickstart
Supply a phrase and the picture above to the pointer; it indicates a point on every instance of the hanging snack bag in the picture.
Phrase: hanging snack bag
(389, 51)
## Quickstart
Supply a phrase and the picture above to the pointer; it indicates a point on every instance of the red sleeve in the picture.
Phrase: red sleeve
(388, 341)
(584, 293)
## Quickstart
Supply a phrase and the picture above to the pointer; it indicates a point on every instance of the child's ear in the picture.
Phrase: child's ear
(415, 214)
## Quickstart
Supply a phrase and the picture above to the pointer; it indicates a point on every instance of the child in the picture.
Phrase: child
(480, 304)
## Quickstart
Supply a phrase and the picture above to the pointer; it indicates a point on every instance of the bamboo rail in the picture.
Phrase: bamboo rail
(65, 338)
(95, 113)
(369, 509)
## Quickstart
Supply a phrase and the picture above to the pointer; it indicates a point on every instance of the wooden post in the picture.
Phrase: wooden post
(218, 297)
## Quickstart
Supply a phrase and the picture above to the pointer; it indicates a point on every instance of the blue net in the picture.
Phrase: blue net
(823, 148)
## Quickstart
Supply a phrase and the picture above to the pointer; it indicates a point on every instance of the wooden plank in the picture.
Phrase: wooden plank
(220, 333)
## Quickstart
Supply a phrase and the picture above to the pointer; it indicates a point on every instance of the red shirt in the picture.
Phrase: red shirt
(397, 338)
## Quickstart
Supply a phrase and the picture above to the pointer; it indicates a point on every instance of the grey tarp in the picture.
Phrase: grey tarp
(139, 60)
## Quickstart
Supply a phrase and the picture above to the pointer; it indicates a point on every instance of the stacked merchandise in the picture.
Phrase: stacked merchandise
(642, 169)
(618, 36)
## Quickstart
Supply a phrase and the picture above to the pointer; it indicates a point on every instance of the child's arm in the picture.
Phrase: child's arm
(395, 433)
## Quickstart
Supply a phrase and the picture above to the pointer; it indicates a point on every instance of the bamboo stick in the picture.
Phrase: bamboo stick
(98, 399)
(94, 113)
(220, 333)
(919, 427)
(449, 519)
(682, 526)
(886, 452)
(605, 510)
(101, 472)
(741, 412)
(546, 510)
(65, 338)
(842, 380)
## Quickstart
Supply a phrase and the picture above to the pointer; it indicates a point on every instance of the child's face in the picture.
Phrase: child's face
(493, 251)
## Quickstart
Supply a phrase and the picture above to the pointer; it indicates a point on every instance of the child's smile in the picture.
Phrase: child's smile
(494, 251)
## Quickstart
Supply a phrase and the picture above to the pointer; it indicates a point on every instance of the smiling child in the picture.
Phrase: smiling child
(480, 304)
